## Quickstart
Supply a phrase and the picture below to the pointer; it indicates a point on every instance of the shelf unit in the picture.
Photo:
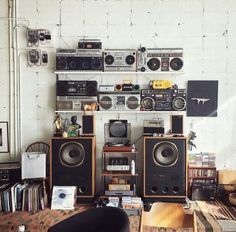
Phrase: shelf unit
(121, 178)
(202, 182)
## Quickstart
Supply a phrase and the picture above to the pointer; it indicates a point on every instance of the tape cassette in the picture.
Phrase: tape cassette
(79, 59)
(120, 60)
(122, 101)
(160, 59)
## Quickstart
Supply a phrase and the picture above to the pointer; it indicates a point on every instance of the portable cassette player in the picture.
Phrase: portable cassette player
(74, 103)
(120, 60)
(122, 101)
(76, 88)
(79, 59)
(160, 59)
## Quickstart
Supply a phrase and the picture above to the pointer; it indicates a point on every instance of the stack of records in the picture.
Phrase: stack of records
(24, 197)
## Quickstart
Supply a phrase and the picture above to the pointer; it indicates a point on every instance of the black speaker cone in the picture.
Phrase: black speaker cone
(109, 59)
(61, 64)
(153, 64)
(176, 64)
(96, 64)
(130, 59)
(91, 88)
(72, 154)
(165, 153)
(72, 64)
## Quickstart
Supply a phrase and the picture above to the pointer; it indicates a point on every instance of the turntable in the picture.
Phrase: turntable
(117, 147)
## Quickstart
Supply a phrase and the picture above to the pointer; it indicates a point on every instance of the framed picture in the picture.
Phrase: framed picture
(4, 137)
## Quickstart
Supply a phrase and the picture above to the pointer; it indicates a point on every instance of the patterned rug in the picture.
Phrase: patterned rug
(42, 220)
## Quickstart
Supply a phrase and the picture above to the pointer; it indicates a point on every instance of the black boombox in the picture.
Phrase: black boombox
(79, 59)
(76, 88)
(163, 99)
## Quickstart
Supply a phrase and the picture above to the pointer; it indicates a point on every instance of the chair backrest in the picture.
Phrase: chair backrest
(167, 215)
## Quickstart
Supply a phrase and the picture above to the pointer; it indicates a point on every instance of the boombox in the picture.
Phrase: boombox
(163, 99)
(122, 101)
(90, 44)
(76, 88)
(74, 103)
(79, 59)
(160, 59)
(120, 60)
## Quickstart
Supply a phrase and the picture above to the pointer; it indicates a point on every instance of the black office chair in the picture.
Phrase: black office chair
(103, 219)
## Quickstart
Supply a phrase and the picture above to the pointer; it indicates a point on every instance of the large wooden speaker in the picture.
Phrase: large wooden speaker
(73, 164)
(165, 167)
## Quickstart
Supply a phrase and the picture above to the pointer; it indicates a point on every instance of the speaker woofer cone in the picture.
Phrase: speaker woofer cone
(72, 154)
(153, 64)
(165, 154)
(176, 64)
(179, 103)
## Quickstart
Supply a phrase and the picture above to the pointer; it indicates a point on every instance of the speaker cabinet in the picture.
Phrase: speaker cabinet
(87, 124)
(165, 167)
(73, 164)
(177, 124)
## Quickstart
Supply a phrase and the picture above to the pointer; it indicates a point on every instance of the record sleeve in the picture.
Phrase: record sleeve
(63, 197)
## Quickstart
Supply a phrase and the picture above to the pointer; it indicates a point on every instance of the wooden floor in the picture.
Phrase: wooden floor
(207, 216)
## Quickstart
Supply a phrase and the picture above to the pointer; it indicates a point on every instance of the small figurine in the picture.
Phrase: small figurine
(73, 129)
(58, 125)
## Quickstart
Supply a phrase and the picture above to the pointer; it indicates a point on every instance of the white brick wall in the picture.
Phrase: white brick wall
(204, 28)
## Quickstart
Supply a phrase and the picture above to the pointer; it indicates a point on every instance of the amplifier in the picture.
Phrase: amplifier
(118, 168)
(79, 59)
(10, 172)
(76, 88)
(153, 126)
(203, 191)
(118, 187)
(119, 193)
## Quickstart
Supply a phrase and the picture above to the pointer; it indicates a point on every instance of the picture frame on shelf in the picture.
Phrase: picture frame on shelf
(4, 147)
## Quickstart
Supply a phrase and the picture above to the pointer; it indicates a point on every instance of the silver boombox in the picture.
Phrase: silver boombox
(123, 101)
(74, 103)
(120, 60)
(160, 59)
